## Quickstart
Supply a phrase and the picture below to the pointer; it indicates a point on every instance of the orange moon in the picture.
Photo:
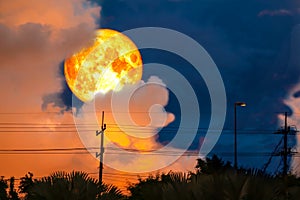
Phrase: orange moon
(112, 61)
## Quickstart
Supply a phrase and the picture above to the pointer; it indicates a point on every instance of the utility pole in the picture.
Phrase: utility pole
(103, 127)
(235, 140)
(243, 104)
(286, 150)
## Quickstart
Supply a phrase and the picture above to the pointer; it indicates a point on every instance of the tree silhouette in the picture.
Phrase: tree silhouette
(212, 165)
(66, 186)
(3, 187)
(13, 195)
(26, 184)
(148, 188)
(216, 180)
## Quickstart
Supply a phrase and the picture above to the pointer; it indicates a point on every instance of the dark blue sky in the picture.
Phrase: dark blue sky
(250, 41)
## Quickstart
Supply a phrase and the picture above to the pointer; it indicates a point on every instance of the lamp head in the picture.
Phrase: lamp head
(243, 104)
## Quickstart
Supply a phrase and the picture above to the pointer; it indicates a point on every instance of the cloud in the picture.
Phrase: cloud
(36, 36)
(133, 116)
(52, 99)
(280, 12)
(56, 13)
(61, 99)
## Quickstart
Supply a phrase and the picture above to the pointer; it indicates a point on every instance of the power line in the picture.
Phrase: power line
(189, 154)
(96, 148)
(273, 153)
(13, 127)
(110, 111)
(33, 129)
(89, 112)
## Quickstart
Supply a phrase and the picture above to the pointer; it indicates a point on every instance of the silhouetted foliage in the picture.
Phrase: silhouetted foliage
(150, 187)
(67, 186)
(26, 184)
(216, 180)
(13, 195)
(212, 165)
(3, 187)
(212, 180)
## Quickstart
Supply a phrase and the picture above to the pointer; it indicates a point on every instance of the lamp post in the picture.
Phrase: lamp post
(243, 104)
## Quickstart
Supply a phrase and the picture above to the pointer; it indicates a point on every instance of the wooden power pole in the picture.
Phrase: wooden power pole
(103, 127)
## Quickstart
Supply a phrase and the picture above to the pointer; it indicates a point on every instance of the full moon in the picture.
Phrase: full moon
(112, 61)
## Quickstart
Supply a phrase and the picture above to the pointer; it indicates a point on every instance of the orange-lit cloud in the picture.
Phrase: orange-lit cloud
(36, 36)
(131, 129)
(59, 14)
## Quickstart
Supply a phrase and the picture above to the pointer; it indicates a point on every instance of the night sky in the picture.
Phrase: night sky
(253, 43)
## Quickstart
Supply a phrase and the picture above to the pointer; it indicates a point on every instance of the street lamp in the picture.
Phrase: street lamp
(243, 104)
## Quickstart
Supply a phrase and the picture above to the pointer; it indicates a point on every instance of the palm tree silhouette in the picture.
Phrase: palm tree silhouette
(75, 185)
